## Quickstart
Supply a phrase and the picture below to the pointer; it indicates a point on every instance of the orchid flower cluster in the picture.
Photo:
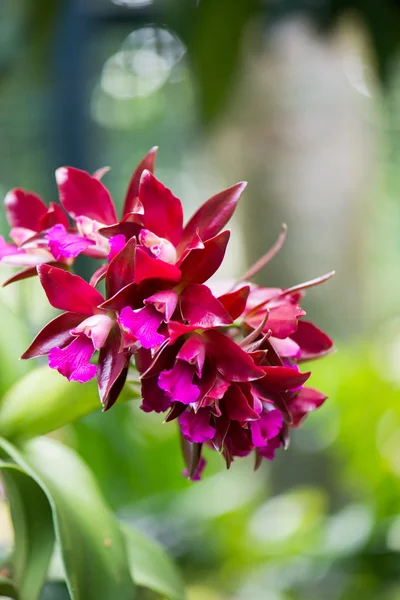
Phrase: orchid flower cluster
(223, 361)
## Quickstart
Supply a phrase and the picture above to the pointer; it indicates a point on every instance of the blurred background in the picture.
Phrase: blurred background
(301, 99)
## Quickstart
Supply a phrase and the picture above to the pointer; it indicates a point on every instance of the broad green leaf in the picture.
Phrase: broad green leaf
(14, 338)
(44, 401)
(33, 531)
(151, 567)
(7, 588)
(92, 544)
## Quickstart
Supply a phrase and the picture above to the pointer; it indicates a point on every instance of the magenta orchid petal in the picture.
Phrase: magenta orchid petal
(147, 267)
(193, 351)
(65, 245)
(73, 361)
(121, 270)
(97, 327)
(147, 163)
(7, 249)
(266, 428)
(117, 242)
(201, 264)
(199, 307)
(165, 302)
(82, 194)
(54, 334)
(98, 275)
(231, 361)
(68, 292)
(24, 209)
(24, 274)
(178, 383)
(213, 215)
(162, 210)
(196, 476)
(196, 426)
(268, 451)
(142, 325)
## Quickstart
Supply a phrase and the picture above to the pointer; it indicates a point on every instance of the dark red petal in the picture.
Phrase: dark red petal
(25, 274)
(54, 334)
(153, 268)
(154, 398)
(128, 296)
(235, 302)
(199, 307)
(111, 364)
(68, 292)
(82, 194)
(231, 361)
(213, 215)
(147, 163)
(126, 228)
(121, 270)
(313, 341)
(236, 405)
(162, 210)
(24, 209)
(116, 388)
(304, 402)
(201, 264)
(279, 379)
(54, 216)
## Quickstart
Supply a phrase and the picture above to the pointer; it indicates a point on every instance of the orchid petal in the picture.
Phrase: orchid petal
(147, 163)
(112, 365)
(73, 360)
(162, 210)
(213, 215)
(235, 302)
(141, 325)
(201, 264)
(54, 334)
(121, 269)
(147, 267)
(237, 406)
(96, 327)
(199, 307)
(68, 292)
(313, 341)
(54, 215)
(279, 379)
(177, 382)
(165, 302)
(231, 361)
(66, 245)
(154, 399)
(24, 209)
(193, 352)
(82, 194)
(196, 426)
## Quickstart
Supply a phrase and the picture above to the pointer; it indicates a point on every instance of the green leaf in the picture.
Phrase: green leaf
(7, 588)
(14, 338)
(44, 401)
(151, 567)
(33, 531)
(92, 544)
